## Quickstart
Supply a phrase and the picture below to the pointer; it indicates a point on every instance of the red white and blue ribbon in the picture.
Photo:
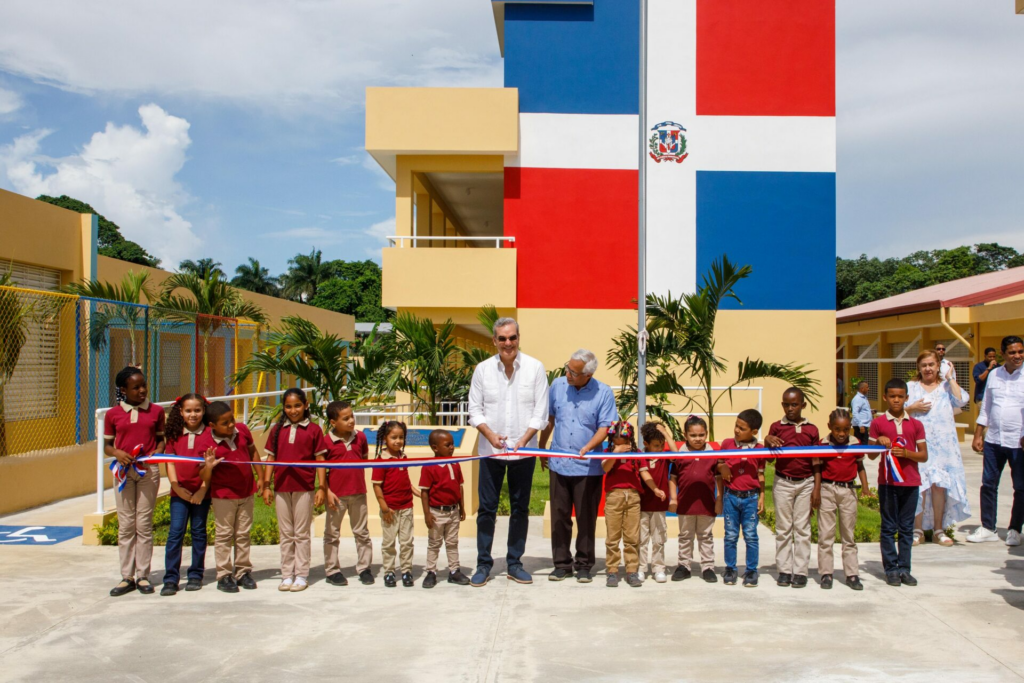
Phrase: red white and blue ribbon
(120, 471)
(892, 465)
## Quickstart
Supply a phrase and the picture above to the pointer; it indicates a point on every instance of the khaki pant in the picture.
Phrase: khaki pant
(793, 525)
(294, 521)
(400, 529)
(446, 529)
(622, 519)
(355, 506)
(232, 518)
(697, 528)
(653, 532)
(135, 522)
(841, 501)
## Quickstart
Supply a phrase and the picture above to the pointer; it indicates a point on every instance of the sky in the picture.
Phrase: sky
(235, 129)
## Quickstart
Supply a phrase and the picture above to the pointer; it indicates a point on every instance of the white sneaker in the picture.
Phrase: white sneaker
(1012, 537)
(299, 584)
(983, 535)
(660, 577)
(286, 585)
(641, 575)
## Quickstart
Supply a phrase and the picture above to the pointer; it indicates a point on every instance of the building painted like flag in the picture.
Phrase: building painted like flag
(740, 154)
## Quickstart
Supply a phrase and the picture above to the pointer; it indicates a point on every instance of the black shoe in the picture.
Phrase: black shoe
(337, 579)
(583, 576)
(169, 589)
(799, 581)
(407, 580)
(728, 578)
(194, 585)
(633, 580)
(560, 574)
(126, 586)
(854, 583)
(907, 579)
(681, 573)
(750, 580)
(389, 580)
(366, 578)
(247, 582)
(458, 577)
(145, 588)
(227, 584)
(429, 581)
(709, 576)
(784, 580)
(826, 581)
(893, 579)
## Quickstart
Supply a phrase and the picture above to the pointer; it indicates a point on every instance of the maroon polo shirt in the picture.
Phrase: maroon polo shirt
(744, 470)
(802, 434)
(912, 432)
(659, 469)
(695, 484)
(130, 426)
(345, 482)
(839, 467)
(295, 442)
(624, 474)
(187, 472)
(230, 481)
(394, 483)
(443, 484)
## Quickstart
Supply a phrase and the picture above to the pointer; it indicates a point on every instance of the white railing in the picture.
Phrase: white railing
(401, 239)
(454, 413)
(687, 413)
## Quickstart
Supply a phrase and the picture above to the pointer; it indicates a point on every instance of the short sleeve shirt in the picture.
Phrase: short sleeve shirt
(839, 467)
(624, 474)
(229, 480)
(912, 432)
(187, 472)
(130, 426)
(443, 482)
(744, 470)
(578, 414)
(695, 484)
(296, 442)
(659, 469)
(395, 484)
(345, 482)
(795, 434)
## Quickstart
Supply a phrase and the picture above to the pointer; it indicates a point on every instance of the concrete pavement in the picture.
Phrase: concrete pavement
(963, 623)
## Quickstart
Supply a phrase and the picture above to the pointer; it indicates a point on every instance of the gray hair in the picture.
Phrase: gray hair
(502, 322)
(589, 361)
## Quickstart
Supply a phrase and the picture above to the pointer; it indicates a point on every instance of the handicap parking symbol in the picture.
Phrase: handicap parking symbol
(37, 535)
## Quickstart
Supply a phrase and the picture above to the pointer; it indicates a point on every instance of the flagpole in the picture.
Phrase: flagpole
(641, 301)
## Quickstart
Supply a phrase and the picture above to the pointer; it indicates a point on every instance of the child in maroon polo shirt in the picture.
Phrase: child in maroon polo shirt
(443, 509)
(132, 428)
(622, 505)
(792, 488)
(693, 498)
(293, 439)
(344, 490)
(393, 489)
(743, 499)
(836, 496)
(898, 481)
(654, 501)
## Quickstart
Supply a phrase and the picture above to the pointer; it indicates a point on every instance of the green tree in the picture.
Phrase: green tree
(110, 241)
(306, 273)
(203, 268)
(126, 313)
(15, 315)
(253, 277)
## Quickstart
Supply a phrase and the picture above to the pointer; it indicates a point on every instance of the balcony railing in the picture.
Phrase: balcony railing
(400, 240)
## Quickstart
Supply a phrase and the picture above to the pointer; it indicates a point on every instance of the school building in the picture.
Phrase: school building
(881, 339)
(526, 196)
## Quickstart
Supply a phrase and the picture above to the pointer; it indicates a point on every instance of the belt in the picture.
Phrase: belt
(852, 484)
(444, 508)
(796, 479)
(744, 494)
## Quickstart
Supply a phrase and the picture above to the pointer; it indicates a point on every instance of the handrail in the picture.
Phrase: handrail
(400, 239)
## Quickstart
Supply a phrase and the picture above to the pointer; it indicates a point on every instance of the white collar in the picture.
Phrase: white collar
(335, 438)
(892, 418)
(786, 421)
(230, 441)
(196, 433)
(127, 407)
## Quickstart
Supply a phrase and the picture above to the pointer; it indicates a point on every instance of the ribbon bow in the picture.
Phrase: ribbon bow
(892, 465)
(121, 471)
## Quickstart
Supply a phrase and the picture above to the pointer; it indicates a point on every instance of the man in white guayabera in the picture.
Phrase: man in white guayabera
(508, 404)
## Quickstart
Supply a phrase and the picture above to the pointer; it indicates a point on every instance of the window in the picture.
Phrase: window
(904, 369)
(31, 393)
(868, 371)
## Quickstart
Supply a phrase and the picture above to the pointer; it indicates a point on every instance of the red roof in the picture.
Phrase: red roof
(969, 291)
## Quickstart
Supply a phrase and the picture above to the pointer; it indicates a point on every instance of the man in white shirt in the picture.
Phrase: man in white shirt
(946, 368)
(999, 436)
(508, 405)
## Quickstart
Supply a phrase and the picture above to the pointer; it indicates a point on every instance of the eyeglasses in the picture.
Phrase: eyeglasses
(572, 373)
(940, 348)
(513, 338)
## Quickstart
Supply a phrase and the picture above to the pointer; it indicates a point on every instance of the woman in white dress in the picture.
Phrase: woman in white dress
(933, 400)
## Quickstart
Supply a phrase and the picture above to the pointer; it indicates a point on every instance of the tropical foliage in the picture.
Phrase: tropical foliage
(127, 313)
(253, 277)
(306, 273)
(204, 268)
(110, 242)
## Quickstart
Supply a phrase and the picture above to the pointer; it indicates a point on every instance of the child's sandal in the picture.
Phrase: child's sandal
(941, 538)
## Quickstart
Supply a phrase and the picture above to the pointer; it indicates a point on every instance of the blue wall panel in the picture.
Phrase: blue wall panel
(781, 224)
(574, 59)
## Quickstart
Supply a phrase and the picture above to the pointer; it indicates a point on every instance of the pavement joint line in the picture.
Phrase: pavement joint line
(31, 639)
(497, 630)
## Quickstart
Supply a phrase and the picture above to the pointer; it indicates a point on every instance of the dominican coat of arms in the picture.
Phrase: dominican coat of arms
(668, 142)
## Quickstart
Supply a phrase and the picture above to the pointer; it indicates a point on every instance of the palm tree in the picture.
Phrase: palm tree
(662, 379)
(128, 313)
(203, 268)
(255, 278)
(211, 303)
(15, 315)
(306, 272)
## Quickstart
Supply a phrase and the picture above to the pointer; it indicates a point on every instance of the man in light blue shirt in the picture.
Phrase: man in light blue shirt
(861, 409)
(580, 411)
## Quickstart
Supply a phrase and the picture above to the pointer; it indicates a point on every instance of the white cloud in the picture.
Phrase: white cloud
(379, 232)
(10, 102)
(126, 173)
(347, 160)
(267, 54)
(380, 176)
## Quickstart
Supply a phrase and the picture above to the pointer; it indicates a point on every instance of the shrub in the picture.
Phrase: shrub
(768, 518)
(264, 528)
